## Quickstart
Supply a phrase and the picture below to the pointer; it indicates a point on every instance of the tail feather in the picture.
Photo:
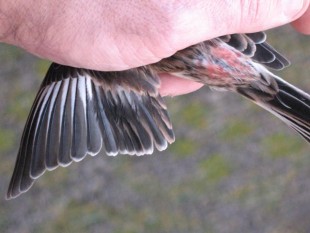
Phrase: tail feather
(290, 104)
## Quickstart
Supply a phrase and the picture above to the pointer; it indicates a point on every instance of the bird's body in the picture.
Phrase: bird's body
(79, 111)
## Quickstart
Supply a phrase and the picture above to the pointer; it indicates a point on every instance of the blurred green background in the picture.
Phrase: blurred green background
(233, 168)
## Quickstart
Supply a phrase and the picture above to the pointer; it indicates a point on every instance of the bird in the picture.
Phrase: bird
(79, 112)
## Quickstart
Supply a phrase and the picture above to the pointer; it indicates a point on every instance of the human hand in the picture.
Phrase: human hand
(302, 24)
(116, 35)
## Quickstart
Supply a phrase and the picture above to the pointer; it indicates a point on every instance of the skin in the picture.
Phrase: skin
(303, 23)
(117, 35)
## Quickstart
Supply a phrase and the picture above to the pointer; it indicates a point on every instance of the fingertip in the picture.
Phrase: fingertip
(173, 86)
(302, 24)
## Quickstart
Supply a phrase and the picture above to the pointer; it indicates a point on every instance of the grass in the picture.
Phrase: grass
(236, 129)
(184, 147)
(279, 145)
(6, 140)
(41, 67)
(194, 114)
(215, 168)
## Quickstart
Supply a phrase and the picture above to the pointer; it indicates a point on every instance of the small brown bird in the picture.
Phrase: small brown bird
(79, 111)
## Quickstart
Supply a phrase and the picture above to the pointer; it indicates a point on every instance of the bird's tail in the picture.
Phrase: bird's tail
(290, 104)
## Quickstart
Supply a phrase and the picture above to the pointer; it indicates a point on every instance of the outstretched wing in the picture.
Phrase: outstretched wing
(77, 111)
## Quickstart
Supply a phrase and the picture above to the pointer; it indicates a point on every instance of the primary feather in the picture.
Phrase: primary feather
(79, 111)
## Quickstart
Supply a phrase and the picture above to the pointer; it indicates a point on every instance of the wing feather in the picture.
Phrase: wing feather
(77, 111)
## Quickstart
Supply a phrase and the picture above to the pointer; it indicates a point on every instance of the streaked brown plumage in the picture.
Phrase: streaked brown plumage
(77, 111)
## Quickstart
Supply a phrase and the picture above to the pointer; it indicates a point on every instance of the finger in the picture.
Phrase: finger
(172, 85)
(226, 17)
(303, 23)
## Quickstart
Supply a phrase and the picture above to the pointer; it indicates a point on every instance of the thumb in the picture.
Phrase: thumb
(226, 17)
(303, 23)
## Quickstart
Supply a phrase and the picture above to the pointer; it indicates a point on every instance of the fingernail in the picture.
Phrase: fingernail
(294, 8)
